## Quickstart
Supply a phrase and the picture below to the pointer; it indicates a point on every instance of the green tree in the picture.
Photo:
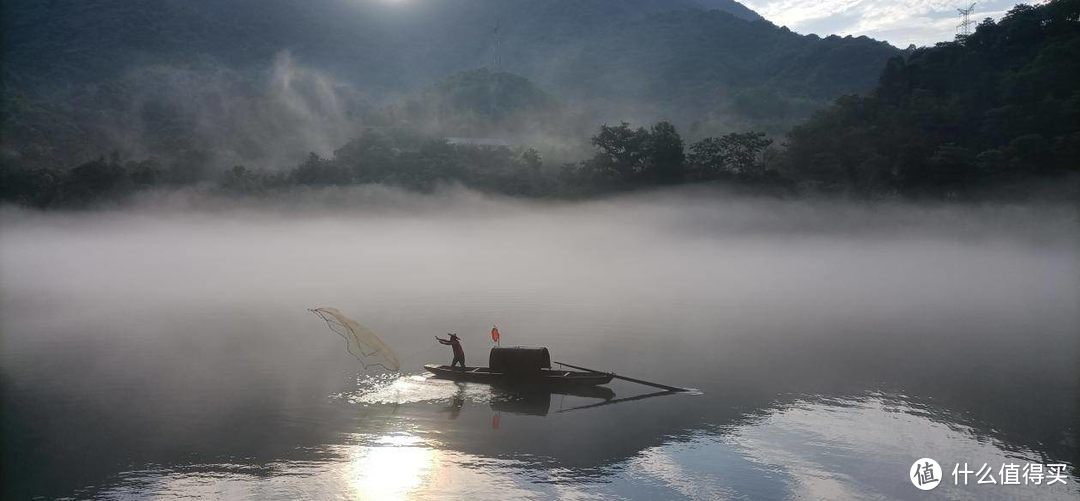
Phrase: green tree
(735, 154)
(664, 156)
(316, 170)
(638, 156)
(94, 180)
(621, 152)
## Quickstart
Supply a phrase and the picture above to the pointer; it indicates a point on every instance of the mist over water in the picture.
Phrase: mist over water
(165, 348)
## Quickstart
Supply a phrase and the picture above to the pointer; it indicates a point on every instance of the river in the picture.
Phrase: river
(165, 349)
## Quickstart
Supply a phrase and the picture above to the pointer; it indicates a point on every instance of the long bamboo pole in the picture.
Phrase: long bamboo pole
(632, 380)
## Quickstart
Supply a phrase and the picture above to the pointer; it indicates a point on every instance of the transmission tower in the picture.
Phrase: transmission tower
(493, 82)
(964, 28)
(495, 43)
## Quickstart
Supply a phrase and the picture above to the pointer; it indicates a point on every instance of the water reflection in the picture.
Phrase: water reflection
(855, 447)
(643, 396)
(414, 436)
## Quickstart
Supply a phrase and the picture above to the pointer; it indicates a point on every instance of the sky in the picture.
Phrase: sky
(899, 22)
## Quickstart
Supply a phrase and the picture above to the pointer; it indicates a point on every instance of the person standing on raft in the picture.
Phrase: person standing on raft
(455, 343)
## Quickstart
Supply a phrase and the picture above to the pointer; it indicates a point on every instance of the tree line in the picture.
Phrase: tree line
(625, 158)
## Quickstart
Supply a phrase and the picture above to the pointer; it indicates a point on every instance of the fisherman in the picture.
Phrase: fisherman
(459, 354)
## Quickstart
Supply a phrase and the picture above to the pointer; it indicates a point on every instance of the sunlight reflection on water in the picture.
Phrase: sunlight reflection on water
(812, 448)
(413, 388)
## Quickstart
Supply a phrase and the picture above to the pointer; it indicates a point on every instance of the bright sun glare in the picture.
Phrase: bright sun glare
(399, 465)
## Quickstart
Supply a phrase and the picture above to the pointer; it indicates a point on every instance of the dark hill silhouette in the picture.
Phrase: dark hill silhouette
(175, 78)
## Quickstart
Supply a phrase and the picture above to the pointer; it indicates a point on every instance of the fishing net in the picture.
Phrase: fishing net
(361, 342)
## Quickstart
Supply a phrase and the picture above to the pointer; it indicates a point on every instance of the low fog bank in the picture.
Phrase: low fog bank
(687, 210)
(769, 270)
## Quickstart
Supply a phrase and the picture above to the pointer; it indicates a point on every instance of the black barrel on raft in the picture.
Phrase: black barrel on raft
(519, 360)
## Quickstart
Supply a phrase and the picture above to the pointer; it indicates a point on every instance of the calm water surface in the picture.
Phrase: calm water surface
(167, 353)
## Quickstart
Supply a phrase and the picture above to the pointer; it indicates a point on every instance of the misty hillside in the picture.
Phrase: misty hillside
(478, 103)
(265, 81)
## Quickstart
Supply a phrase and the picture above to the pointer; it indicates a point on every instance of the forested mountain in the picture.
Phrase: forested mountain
(994, 108)
(65, 40)
(478, 104)
(264, 81)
